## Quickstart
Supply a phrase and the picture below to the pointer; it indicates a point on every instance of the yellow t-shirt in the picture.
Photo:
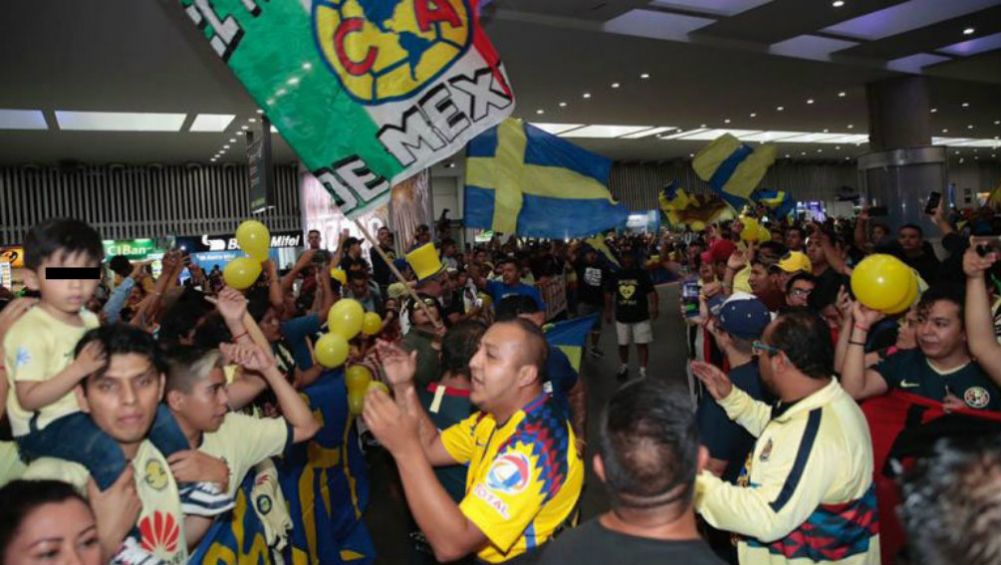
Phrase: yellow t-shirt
(37, 348)
(11, 466)
(742, 280)
(524, 477)
(244, 441)
(161, 521)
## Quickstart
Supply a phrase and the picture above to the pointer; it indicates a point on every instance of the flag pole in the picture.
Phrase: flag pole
(396, 273)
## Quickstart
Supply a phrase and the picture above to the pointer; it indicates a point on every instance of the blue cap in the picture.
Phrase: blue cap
(744, 317)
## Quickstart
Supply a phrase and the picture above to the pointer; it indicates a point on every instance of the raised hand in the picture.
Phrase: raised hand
(864, 316)
(974, 264)
(398, 365)
(90, 360)
(231, 304)
(716, 382)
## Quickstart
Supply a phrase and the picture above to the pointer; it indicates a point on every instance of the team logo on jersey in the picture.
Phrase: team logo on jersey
(160, 533)
(766, 452)
(385, 50)
(23, 357)
(155, 475)
(509, 474)
(264, 504)
(627, 290)
(976, 397)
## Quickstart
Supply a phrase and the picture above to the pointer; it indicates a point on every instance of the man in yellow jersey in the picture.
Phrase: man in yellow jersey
(806, 493)
(524, 475)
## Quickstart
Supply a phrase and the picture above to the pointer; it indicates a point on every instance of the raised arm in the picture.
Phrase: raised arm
(857, 380)
(979, 323)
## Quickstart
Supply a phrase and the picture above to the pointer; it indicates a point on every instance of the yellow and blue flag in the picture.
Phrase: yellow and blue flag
(522, 180)
(570, 336)
(693, 210)
(779, 202)
(600, 244)
(733, 169)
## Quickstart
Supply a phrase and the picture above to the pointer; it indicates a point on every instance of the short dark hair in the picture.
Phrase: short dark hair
(800, 276)
(649, 444)
(513, 306)
(459, 345)
(949, 292)
(914, 227)
(952, 503)
(122, 339)
(183, 316)
(188, 365)
(508, 259)
(537, 349)
(798, 229)
(805, 338)
(120, 265)
(772, 247)
(310, 232)
(20, 498)
(66, 235)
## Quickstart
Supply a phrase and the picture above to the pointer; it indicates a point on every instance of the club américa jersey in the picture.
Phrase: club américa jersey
(524, 476)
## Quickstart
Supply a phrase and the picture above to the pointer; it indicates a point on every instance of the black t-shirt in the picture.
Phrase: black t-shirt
(380, 270)
(629, 288)
(351, 264)
(591, 280)
(592, 543)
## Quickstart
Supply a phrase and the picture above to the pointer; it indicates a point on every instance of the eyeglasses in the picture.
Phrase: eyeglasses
(757, 346)
(801, 291)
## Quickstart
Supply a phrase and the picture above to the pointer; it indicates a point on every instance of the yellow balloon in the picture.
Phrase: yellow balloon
(371, 324)
(697, 225)
(339, 275)
(357, 377)
(751, 230)
(356, 401)
(254, 239)
(331, 350)
(763, 234)
(241, 272)
(376, 385)
(881, 282)
(913, 291)
(346, 317)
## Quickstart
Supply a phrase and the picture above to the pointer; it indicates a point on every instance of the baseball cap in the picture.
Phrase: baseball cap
(794, 262)
(744, 316)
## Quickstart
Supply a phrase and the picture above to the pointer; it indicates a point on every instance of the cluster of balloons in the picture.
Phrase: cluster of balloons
(753, 231)
(255, 240)
(884, 283)
(346, 319)
(359, 381)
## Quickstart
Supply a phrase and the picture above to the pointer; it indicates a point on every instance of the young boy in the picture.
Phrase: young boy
(62, 262)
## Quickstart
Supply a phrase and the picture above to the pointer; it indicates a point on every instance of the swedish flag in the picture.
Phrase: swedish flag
(522, 180)
(733, 169)
(570, 336)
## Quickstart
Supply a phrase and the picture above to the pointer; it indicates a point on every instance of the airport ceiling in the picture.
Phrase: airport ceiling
(667, 70)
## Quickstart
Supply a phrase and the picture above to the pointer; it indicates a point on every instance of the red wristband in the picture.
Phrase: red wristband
(861, 327)
(236, 338)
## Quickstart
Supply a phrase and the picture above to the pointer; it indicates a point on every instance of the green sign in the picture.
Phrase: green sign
(134, 249)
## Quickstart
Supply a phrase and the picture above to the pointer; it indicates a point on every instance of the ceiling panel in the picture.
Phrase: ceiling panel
(926, 39)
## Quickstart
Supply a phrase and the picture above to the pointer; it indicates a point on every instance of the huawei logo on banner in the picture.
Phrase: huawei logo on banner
(160, 533)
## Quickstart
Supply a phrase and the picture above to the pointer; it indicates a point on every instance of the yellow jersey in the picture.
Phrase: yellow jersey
(37, 348)
(161, 520)
(806, 494)
(524, 476)
(244, 441)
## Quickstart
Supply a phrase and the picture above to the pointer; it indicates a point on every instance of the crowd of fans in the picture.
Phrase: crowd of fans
(132, 399)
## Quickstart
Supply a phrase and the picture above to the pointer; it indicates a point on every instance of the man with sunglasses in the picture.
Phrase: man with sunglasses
(798, 290)
(806, 494)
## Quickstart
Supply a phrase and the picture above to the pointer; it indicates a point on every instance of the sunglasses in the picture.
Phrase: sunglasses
(801, 291)
(760, 346)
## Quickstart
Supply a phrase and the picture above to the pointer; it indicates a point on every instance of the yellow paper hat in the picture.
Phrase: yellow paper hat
(425, 261)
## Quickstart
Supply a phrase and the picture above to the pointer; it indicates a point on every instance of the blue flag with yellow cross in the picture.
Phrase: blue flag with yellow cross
(522, 180)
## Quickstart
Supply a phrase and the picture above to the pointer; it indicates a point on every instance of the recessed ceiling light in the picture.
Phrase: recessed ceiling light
(726, 121)
(969, 31)
(691, 155)
(225, 146)
(292, 81)
(540, 111)
(820, 151)
(306, 66)
(702, 126)
(787, 155)
(244, 128)
(271, 101)
(281, 92)
(933, 110)
(837, 148)
(956, 152)
(119, 121)
(945, 130)
(251, 120)
(838, 3)
(779, 108)
(994, 155)
(615, 85)
(827, 130)
(848, 158)
(753, 115)
(22, 119)
(645, 75)
(232, 140)
(211, 122)
(966, 104)
(851, 126)
(563, 104)
(802, 153)
(970, 126)
(809, 100)
(259, 111)
(997, 122)
(586, 95)
(842, 94)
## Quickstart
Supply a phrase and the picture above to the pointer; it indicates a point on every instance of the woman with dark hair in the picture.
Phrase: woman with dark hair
(46, 522)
